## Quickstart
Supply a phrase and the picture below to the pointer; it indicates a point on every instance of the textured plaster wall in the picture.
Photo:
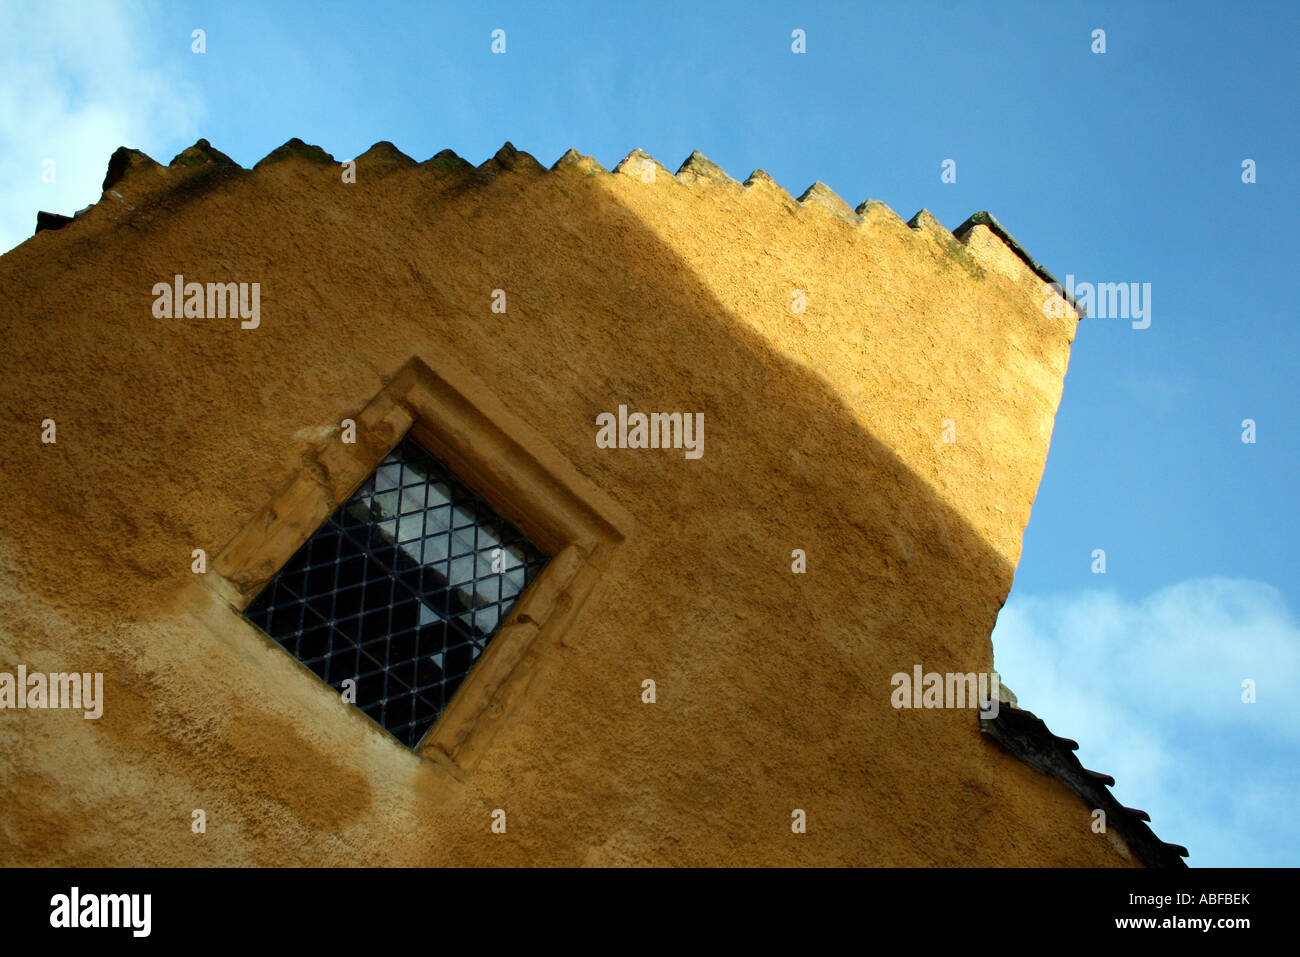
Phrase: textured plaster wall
(822, 432)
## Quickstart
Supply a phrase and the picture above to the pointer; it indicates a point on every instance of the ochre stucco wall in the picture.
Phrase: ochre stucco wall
(823, 432)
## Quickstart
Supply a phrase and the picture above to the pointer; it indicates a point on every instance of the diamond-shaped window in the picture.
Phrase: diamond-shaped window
(401, 590)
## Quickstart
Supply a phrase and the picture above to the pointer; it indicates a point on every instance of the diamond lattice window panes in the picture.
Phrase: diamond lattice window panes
(401, 590)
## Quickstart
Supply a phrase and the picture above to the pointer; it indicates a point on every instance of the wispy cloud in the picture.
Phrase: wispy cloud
(1152, 691)
(78, 83)
(1164, 393)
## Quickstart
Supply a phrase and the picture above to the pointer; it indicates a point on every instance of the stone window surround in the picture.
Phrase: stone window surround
(522, 476)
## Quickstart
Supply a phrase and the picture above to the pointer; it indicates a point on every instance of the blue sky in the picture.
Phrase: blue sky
(1123, 166)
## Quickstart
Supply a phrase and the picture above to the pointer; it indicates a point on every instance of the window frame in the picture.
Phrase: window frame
(503, 460)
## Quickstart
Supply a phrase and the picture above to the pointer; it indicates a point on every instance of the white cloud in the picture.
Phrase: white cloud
(78, 83)
(1152, 689)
